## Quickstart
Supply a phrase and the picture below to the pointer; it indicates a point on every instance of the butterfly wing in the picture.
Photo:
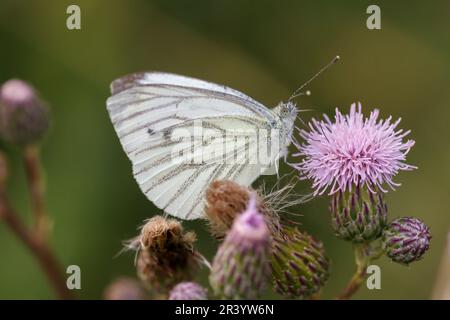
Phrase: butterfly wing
(157, 117)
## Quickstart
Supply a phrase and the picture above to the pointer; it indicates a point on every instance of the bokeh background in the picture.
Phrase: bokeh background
(263, 48)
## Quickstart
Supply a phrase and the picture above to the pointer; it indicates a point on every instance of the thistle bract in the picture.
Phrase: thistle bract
(188, 291)
(240, 269)
(406, 240)
(299, 265)
(358, 215)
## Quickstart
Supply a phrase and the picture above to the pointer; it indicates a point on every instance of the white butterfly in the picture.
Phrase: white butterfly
(148, 110)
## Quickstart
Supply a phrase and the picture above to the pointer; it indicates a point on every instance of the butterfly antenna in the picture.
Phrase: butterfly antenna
(299, 92)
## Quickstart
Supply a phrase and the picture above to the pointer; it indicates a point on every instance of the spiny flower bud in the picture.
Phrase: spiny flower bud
(226, 199)
(24, 118)
(358, 215)
(166, 254)
(124, 289)
(406, 240)
(240, 269)
(299, 265)
(188, 291)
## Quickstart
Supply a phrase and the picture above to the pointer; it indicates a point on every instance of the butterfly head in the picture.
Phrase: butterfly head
(287, 111)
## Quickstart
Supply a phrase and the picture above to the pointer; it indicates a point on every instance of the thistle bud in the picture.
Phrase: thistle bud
(124, 289)
(240, 269)
(166, 254)
(359, 215)
(406, 240)
(24, 118)
(299, 265)
(188, 291)
(225, 200)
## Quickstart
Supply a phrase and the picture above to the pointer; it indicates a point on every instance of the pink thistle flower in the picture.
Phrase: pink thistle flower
(351, 151)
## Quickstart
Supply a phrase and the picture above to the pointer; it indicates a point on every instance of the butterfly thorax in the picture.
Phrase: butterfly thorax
(287, 112)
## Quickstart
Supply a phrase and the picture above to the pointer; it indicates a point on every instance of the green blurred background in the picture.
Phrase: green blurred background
(263, 48)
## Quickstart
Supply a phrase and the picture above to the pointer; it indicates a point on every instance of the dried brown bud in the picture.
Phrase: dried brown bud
(124, 289)
(166, 254)
(159, 233)
(226, 199)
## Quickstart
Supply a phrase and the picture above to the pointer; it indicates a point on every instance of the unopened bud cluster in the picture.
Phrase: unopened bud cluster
(360, 216)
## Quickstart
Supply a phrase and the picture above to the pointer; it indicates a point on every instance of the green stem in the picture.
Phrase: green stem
(362, 259)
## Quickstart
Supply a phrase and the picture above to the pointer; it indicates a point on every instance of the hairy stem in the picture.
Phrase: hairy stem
(39, 249)
(35, 184)
(36, 244)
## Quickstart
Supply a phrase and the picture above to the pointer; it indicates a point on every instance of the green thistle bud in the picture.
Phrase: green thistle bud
(299, 265)
(188, 291)
(406, 240)
(240, 269)
(24, 118)
(359, 215)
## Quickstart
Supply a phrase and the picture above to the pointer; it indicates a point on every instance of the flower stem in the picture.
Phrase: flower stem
(36, 244)
(36, 187)
(362, 260)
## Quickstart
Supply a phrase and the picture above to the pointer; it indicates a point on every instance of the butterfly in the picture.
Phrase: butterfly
(158, 116)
